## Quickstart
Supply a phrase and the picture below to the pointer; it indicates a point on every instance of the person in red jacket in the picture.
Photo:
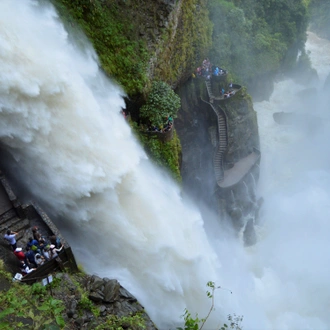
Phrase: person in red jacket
(20, 254)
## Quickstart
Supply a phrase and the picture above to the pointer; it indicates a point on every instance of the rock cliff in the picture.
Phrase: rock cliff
(233, 195)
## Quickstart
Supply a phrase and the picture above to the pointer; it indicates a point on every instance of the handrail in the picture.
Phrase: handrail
(222, 143)
(162, 136)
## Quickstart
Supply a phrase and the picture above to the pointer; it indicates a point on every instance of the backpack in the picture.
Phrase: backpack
(34, 248)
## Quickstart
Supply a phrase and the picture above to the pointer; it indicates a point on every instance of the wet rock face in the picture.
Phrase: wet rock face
(261, 87)
(196, 127)
(106, 295)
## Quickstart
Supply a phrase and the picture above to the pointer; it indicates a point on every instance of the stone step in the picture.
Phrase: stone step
(15, 224)
(7, 216)
(10, 223)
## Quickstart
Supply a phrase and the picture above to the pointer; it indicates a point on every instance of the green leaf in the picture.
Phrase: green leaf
(7, 312)
(60, 321)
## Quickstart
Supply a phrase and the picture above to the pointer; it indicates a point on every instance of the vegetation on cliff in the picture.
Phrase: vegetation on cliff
(113, 33)
(139, 43)
(251, 38)
(166, 155)
(51, 307)
(185, 45)
(161, 103)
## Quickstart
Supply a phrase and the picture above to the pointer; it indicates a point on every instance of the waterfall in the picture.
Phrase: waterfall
(126, 219)
(61, 122)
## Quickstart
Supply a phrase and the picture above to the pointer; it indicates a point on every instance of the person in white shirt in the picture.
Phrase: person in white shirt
(54, 251)
(40, 260)
(10, 236)
(25, 269)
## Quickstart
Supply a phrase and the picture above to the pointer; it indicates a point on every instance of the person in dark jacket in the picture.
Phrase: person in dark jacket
(29, 254)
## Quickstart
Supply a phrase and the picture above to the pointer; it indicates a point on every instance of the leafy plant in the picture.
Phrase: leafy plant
(162, 102)
(196, 323)
(38, 289)
(21, 305)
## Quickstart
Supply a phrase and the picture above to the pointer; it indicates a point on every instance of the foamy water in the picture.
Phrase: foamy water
(60, 119)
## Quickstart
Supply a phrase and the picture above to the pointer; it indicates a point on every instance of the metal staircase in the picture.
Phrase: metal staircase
(222, 143)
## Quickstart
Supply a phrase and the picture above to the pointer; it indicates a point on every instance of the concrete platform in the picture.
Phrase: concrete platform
(239, 170)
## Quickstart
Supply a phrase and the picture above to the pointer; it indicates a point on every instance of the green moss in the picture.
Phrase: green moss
(123, 55)
(181, 52)
(167, 155)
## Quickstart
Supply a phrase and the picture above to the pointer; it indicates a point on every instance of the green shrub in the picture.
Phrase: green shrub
(162, 102)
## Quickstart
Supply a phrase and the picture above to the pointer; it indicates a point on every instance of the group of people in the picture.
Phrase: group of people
(167, 126)
(38, 250)
(228, 93)
(207, 69)
(218, 71)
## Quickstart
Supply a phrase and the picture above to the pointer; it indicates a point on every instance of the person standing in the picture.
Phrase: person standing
(54, 252)
(10, 236)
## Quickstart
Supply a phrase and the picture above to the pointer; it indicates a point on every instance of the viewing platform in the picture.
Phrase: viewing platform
(221, 95)
(239, 170)
(164, 136)
(21, 219)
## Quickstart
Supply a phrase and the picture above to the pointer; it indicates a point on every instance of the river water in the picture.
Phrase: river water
(126, 219)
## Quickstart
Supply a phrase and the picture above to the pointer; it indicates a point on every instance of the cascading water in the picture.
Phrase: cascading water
(61, 122)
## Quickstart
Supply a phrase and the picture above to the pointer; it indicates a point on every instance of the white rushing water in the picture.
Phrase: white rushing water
(61, 121)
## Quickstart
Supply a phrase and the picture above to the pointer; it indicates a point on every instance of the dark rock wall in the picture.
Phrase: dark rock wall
(197, 128)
